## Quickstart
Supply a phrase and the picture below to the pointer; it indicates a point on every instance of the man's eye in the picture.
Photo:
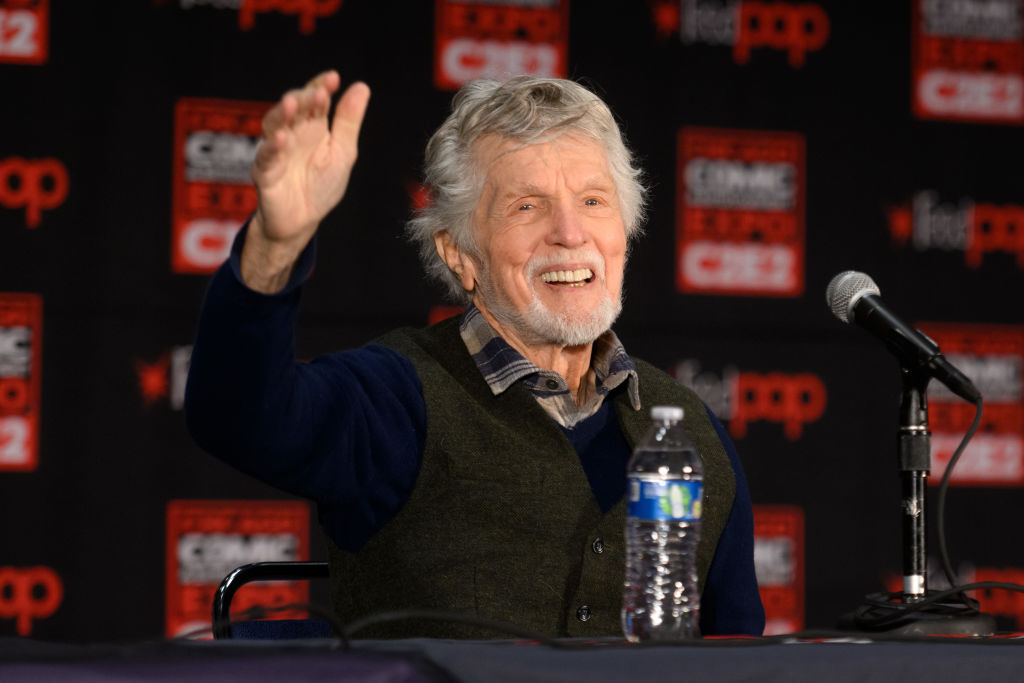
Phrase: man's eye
(526, 207)
(592, 202)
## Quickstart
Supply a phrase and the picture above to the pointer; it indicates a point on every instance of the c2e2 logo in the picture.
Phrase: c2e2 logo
(24, 31)
(17, 430)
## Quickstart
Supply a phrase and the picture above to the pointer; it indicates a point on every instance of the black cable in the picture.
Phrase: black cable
(940, 516)
(895, 611)
(884, 609)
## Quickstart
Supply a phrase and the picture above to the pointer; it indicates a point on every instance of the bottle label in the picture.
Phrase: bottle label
(678, 501)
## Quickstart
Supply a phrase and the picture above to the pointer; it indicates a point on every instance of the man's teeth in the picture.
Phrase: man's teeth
(573, 278)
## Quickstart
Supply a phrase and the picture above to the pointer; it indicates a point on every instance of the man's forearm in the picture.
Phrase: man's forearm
(241, 358)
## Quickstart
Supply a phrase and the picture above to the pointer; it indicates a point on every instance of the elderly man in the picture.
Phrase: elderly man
(476, 466)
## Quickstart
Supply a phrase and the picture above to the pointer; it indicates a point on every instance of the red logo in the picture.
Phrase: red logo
(740, 213)
(968, 64)
(740, 398)
(34, 184)
(21, 343)
(215, 142)
(779, 563)
(795, 29)
(27, 594)
(308, 11)
(207, 539)
(995, 228)
(165, 377)
(993, 357)
(496, 40)
(977, 229)
(153, 384)
(793, 400)
(24, 31)
(666, 16)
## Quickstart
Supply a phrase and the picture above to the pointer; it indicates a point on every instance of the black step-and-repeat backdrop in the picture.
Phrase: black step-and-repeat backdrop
(785, 142)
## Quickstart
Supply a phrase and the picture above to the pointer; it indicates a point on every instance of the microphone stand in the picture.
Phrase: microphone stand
(914, 466)
(895, 613)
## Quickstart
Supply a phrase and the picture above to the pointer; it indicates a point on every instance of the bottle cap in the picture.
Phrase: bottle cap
(673, 413)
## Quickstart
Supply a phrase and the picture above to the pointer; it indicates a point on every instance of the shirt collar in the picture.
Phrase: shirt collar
(502, 366)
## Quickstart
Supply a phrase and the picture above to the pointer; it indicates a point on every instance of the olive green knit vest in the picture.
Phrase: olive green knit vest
(502, 523)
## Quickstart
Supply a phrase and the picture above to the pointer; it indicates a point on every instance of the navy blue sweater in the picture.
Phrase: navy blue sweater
(347, 431)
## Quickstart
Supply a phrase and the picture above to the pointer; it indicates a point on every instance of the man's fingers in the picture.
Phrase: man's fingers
(270, 150)
(328, 79)
(281, 114)
(314, 102)
(284, 125)
(348, 115)
(297, 106)
(309, 102)
(315, 98)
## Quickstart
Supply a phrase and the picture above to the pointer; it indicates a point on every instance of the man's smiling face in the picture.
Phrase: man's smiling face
(551, 240)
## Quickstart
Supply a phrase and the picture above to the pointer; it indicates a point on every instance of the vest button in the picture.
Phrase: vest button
(583, 613)
(552, 384)
(598, 546)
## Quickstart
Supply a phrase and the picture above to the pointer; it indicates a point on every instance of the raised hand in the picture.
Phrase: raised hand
(301, 172)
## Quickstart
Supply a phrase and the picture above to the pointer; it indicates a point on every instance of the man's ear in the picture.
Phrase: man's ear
(458, 261)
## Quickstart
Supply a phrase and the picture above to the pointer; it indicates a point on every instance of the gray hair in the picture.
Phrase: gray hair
(528, 110)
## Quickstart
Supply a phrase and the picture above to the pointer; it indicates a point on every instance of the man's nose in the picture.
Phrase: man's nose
(568, 228)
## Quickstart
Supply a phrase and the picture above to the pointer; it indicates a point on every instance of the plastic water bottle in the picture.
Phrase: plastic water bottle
(665, 488)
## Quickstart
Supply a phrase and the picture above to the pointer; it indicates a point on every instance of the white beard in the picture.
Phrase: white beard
(540, 325)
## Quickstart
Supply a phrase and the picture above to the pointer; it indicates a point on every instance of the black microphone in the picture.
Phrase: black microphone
(854, 297)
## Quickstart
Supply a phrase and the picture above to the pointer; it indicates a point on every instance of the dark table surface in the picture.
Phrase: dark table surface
(831, 657)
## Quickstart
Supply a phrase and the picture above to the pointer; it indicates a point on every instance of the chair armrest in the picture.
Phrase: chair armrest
(257, 571)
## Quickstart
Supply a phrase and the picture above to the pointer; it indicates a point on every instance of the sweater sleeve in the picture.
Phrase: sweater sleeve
(730, 602)
(346, 430)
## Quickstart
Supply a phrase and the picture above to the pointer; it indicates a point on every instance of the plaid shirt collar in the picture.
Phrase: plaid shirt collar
(502, 366)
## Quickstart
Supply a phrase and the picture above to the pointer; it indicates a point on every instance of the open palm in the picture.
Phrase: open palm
(303, 165)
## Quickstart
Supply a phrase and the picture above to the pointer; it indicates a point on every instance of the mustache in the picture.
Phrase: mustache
(586, 258)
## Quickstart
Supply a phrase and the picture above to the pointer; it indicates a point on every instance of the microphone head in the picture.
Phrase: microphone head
(844, 291)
